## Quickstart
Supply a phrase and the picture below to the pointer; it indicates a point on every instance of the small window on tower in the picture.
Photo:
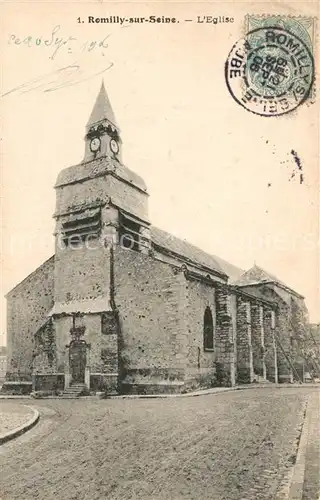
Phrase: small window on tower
(109, 323)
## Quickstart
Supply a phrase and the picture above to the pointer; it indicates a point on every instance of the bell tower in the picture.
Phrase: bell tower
(100, 205)
(102, 132)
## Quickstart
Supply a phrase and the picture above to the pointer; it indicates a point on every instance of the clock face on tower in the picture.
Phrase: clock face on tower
(114, 146)
(95, 144)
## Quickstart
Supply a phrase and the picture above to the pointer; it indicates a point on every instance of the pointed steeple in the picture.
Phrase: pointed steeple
(102, 109)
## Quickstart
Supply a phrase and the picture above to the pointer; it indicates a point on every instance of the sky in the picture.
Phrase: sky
(217, 175)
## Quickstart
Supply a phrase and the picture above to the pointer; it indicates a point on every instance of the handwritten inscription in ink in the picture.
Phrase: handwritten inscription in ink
(58, 79)
(55, 42)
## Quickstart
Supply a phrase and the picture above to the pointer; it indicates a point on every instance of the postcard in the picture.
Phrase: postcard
(160, 332)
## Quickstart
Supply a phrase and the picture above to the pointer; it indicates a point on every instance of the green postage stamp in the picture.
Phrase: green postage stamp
(270, 71)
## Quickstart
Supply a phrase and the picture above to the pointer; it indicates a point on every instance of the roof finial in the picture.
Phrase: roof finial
(102, 109)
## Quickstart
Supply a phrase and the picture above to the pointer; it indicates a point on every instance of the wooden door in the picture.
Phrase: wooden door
(78, 358)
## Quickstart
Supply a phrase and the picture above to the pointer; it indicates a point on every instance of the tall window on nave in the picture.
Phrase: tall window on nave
(208, 329)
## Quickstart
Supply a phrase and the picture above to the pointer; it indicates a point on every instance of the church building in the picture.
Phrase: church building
(126, 308)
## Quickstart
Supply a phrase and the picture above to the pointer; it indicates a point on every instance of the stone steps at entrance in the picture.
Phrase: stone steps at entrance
(74, 391)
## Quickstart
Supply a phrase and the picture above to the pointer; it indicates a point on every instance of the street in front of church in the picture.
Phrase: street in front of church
(233, 445)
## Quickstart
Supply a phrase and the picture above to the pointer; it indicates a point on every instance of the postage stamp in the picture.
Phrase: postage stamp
(270, 71)
(304, 27)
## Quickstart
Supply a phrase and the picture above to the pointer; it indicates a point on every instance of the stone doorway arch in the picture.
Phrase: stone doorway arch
(78, 360)
(78, 369)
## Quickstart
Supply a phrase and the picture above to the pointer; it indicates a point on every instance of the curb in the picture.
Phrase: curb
(18, 431)
(201, 392)
(13, 396)
(213, 391)
(167, 396)
(294, 488)
(300, 473)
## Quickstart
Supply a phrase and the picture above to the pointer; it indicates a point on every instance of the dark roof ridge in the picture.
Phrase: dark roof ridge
(184, 248)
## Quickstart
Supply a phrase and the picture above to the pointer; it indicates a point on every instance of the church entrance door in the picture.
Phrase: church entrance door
(78, 360)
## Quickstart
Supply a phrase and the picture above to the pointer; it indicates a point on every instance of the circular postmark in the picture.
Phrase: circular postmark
(270, 71)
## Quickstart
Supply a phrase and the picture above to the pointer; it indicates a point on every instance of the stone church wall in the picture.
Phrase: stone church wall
(256, 347)
(151, 299)
(102, 355)
(45, 375)
(207, 368)
(257, 339)
(81, 274)
(98, 190)
(200, 368)
(284, 332)
(225, 337)
(270, 346)
(27, 307)
(244, 341)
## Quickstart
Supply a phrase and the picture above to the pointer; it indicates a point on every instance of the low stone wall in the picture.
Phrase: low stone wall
(101, 382)
(152, 388)
(48, 382)
(19, 388)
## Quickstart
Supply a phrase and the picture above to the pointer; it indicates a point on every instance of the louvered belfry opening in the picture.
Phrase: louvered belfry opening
(81, 226)
(130, 232)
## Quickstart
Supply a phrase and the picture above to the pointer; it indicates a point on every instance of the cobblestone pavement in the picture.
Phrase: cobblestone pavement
(232, 446)
(13, 415)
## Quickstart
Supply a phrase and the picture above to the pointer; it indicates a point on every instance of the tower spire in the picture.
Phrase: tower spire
(102, 109)
(102, 132)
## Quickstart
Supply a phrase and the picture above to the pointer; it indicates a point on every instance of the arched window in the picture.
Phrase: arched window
(208, 329)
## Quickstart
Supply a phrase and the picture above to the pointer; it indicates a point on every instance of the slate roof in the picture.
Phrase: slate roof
(102, 109)
(231, 270)
(257, 276)
(185, 249)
